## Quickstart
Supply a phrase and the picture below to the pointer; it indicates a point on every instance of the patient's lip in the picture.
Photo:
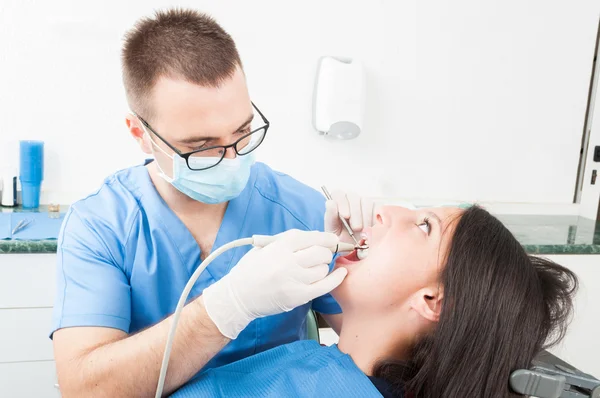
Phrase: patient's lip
(367, 234)
(343, 261)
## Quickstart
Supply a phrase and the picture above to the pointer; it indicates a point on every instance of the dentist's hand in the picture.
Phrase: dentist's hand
(359, 212)
(277, 278)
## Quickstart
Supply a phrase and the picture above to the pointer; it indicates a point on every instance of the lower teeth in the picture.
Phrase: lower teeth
(362, 254)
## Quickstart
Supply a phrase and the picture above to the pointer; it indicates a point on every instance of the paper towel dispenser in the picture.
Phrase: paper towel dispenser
(339, 97)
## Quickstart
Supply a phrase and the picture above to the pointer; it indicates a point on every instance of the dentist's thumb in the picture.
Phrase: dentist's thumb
(327, 284)
(332, 218)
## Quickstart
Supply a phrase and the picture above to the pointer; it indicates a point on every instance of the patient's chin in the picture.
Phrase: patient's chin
(351, 287)
(340, 293)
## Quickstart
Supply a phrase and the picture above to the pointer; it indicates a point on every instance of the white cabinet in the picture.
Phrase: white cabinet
(28, 380)
(26, 299)
(24, 335)
(27, 280)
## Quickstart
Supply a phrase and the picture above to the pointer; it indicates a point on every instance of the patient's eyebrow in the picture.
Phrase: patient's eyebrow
(436, 218)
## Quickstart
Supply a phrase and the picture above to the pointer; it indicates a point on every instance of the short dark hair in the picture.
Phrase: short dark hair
(501, 307)
(179, 43)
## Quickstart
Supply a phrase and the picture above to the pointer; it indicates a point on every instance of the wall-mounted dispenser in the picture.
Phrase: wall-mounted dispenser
(339, 98)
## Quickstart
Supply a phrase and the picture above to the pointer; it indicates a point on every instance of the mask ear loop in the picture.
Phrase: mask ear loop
(162, 173)
(156, 145)
(150, 136)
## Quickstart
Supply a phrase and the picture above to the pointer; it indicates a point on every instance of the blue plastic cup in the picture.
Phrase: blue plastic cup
(31, 161)
(31, 173)
(30, 194)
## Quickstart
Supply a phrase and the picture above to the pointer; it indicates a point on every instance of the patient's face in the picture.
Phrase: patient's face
(406, 251)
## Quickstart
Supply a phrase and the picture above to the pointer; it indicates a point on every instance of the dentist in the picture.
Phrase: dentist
(126, 251)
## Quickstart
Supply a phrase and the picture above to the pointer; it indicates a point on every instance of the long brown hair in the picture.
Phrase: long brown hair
(501, 307)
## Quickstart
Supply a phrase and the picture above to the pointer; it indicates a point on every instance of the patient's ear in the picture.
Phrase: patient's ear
(427, 302)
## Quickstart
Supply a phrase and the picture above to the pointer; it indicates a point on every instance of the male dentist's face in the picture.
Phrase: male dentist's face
(191, 117)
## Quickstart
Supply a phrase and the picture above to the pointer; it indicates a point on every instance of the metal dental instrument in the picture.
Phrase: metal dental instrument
(357, 244)
(21, 225)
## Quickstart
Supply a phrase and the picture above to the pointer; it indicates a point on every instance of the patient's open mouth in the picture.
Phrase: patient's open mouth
(353, 257)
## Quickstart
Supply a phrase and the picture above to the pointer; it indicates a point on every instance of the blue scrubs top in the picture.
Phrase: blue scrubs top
(124, 257)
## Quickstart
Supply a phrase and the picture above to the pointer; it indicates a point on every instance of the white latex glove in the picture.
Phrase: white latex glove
(359, 212)
(277, 278)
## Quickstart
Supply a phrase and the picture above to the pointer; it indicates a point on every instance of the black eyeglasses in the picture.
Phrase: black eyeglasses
(206, 158)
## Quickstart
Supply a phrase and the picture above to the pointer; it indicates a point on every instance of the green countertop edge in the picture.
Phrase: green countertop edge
(562, 249)
(49, 246)
(27, 246)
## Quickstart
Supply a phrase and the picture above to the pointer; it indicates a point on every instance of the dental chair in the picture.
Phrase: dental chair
(548, 377)
(551, 377)
(313, 326)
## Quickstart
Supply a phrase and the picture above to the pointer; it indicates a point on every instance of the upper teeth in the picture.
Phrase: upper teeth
(364, 239)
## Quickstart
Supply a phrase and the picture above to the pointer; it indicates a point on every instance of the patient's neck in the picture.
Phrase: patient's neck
(369, 340)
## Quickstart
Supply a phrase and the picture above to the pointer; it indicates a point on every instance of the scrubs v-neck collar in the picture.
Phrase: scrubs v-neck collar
(232, 226)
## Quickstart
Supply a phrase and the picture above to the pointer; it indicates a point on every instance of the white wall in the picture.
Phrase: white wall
(590, 193)
(466, 101)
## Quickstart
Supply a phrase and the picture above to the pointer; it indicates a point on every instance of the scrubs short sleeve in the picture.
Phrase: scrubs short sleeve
(93, 290)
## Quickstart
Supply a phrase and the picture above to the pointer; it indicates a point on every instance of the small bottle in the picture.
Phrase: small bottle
(9, 189)
(53, 210)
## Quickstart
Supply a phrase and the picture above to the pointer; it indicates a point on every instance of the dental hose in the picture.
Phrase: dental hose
(181, 304)
(255, 240)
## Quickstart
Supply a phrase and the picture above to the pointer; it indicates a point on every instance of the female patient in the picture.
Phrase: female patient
(447, 304)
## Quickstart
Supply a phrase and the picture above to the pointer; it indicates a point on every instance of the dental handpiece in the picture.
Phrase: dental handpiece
(264, 240)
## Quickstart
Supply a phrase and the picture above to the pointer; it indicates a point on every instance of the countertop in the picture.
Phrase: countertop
(555, 234)
(28, 246)
(538, 234)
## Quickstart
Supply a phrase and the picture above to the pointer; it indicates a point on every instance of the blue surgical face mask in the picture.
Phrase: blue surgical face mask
(218, 184)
